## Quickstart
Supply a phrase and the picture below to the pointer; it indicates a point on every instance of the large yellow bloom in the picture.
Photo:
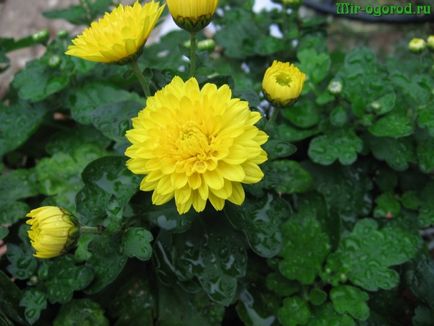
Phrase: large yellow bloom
(283, 83)
(196, 144)
(52, 231)
(119, 35)
(192, 15)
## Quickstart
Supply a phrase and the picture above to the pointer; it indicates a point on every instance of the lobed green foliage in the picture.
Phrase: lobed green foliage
(331, 236)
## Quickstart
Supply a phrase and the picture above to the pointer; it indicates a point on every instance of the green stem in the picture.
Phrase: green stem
(92, 229)
(141, 78)
(285, 17)
(193, 47)
(273, 115)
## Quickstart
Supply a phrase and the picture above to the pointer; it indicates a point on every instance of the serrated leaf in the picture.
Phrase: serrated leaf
(89, 97)
(387, 206)
(81, 312)
(366, 255)
(397, 153)
(136, 243)
(260, 222)
(17, 184)
(61, 277)
(327, 316)
(105, 252)
(34, 302)
(10, 295)
(315, 65)
(212, 253)
(395, 124)
(304, 249)
(351, 300)
(425, 155)
(303, 114)
(285, 176)
(341, 144)
(295, 311)
(37, 81)
(22, 263)
(18, 123)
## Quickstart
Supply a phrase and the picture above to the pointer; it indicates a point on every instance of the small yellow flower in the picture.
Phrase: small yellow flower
(430, 42)
(119, 36)
(196, 144)
(416, 45)
(283, 83)
(192, 15)
(52, 231)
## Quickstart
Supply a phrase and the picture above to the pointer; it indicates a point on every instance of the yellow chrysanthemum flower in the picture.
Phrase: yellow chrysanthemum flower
(196, 144)
(416, 45)
(430, 42)
(283, 83)
(192, 15)
(119, 36)
(52, 231)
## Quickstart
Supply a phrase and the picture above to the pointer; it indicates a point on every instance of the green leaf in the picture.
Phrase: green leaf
(292, 134)
(82, 14)
(59, 175)
(89, 97)
(341, 144)
(286, 177)
(423, 316)
(425, 155)
(83, 312)
(211, 253)
(104, 253)
(304, 250)
(420, 278)
(61, 277)
(260, 221)
(397, 153)
(327, 316)
(34, 302)
(17, 184)
(303, 114)
(114, 119)
(315, 65)
(295, 311)
(387, 206)
(396, 124)
(317, 297)
(366, 255)
(22, 263)
(178, 308)
(281, 285)
(134, 303)
(136, 242)
(167, 217)
(10, 296)
(338, 117)
(426, 210)
(64, 141)
(4, 231)
(12, 212)
(256, 307)
(37, 81)
(351, 300)
(19, 122)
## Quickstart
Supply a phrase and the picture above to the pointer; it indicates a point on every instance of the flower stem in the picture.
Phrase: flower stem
(273, 115)
(92, 229)
(141, 78)
(193, 47)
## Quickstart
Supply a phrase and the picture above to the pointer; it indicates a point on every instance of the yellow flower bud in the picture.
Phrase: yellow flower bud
(192, 15)
(416, 45)
(283, 83)
(53, 231)
(430, 42)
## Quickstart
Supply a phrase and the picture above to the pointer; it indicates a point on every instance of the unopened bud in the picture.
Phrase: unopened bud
(335, 87)
(41, 36)
(417, 45)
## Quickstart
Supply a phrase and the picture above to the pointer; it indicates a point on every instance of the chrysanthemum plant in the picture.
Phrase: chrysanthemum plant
(227, 178)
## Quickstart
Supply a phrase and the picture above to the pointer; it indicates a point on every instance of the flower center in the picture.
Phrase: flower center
(283, 79)
(195, 148)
